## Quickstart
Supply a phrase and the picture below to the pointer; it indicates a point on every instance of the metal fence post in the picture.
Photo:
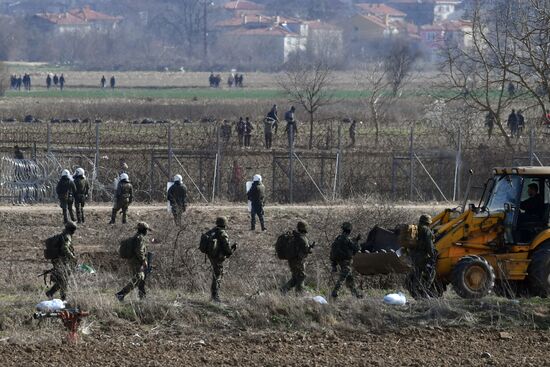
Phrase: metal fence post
(532, 147)
(411, 160)
(458, 163)
(169, 151)
(96, 160)
(49, 138)
(291, 163)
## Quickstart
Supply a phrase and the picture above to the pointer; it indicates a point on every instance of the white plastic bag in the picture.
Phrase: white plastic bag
(395, 299)
(50, 306)
(320, 300)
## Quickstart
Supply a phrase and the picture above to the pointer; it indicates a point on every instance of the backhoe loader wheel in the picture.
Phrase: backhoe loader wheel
(473, 277)
(539, 273)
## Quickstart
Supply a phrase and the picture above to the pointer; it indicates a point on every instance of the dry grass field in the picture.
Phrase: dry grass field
(255, 325)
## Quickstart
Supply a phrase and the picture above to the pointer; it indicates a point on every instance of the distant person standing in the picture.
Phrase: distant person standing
(248, 127)
(291, 128)
(48, 81)
(268, 132)
(17, 153)
(55, 80)
(103, 81)
(490, 123)
(352, 132)
(81, 194)
(513, 123)
(66, 190)
(521, 122)
(124, 196)
(177, 196)
(273, 115)
(113, 82)
(256, 195)
(61, 82)
(241, 127)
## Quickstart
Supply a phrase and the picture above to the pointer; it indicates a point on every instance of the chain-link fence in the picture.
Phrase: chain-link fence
(411, 162)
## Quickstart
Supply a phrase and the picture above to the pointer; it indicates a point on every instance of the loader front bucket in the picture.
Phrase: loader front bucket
(380, 263)
(380, 254)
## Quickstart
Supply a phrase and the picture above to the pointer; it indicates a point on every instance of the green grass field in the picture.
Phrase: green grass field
(199, 93)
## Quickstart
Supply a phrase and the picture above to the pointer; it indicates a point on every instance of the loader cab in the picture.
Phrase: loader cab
(523, 195)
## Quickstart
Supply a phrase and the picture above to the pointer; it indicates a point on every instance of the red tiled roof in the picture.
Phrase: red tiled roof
(62, 18)
(87, 14)
(77, 17)
(317, 24)
(243, 5)
(254, 19)
(373, 19)
(379, 10)
(271, 31)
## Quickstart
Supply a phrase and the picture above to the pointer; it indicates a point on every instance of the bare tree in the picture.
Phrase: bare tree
(399, 61)
(479, 74)
(308, 85)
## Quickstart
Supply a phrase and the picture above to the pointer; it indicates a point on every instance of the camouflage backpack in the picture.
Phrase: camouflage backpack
(285, 248)
(208, 244)
(52, 248)
(337, 250)
(127, 248)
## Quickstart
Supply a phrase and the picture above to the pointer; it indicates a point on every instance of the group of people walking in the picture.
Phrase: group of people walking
(58, 81)
(293, 246)
(16, 82)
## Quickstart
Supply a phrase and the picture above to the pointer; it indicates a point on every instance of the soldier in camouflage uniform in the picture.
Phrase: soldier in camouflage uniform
(297, 263)
(123, 198)
(65, 193)
(222, 252)
(63, 265)
(423, 257)
(137, 263)
(341, 255)
(177, 196)
(81, 195)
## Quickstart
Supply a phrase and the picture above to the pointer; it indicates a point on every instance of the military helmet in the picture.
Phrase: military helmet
(70, 226)
(124, 177)
(425, 219)
(178, 178)
(302, 227)
(221, 222)
(257, 178)
(65, 173)
(142, 226)
(79, 172)
(346, 226)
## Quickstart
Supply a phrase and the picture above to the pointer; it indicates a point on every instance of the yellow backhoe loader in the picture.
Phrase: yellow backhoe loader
(500, 245)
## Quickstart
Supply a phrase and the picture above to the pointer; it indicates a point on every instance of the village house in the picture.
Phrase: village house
(82, 20)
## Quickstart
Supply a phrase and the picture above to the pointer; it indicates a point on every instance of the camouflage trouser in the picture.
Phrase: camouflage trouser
(177, 212)
(120, 205)
(298, 270)
(217, 275)
(138, 280)
(60, 278)
(257, 211)
(346, 275)
(66, 206)
(79, 206)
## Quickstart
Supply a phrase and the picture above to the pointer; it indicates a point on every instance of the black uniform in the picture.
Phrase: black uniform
(256, 195)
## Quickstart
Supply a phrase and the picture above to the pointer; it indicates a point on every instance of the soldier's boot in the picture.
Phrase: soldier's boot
(288, 285)
(120, 296)
(65, 216)
(334, 293)
(113, 217)
(141, 290)
(71, 213)
(262, 224)
(124, 217)
(78, 218)
(82, 215)
(50, 293)
(123, 292)
(253, 222)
